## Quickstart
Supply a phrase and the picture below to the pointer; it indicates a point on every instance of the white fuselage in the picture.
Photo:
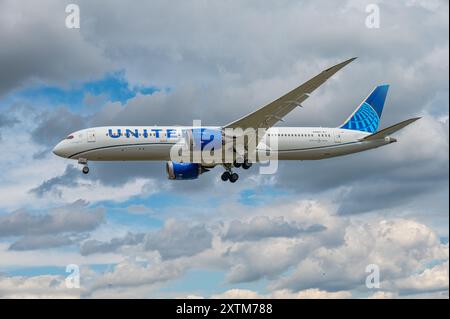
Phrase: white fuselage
(154, 143)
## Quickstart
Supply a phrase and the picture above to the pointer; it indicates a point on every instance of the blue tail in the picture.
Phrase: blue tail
(367, 116)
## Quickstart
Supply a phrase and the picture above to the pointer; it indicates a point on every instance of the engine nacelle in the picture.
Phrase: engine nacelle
(182, 171)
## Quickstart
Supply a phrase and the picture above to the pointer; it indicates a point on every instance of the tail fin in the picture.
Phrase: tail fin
(367, 116)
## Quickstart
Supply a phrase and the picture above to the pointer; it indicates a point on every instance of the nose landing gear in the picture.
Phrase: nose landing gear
(84, 162)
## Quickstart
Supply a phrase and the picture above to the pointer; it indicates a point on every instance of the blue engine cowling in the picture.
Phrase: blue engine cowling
(183, 171)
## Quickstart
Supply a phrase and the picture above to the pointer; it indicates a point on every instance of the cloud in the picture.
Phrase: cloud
(176, 240)
(237, 294)
(133, 274)
(93, 246)
(6, 121)
(55, 125)
(282, 294)
(47, 50)
(68, 178)
(45, 287)
(396, 246)
(264, 227)
(73, 185)
(74, 217)
(379, 179)
(217, 75)
(430, 280)
(44, 242)
(326, 264)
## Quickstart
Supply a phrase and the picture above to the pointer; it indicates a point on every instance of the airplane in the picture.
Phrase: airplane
(155, 143)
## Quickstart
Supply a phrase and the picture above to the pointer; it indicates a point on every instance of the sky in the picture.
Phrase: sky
(315, 229)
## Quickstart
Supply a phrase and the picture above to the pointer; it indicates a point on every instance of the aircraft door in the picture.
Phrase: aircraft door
(337, 137)
(91, 136)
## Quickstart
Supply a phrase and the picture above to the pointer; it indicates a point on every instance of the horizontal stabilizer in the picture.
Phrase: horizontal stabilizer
(389, 130)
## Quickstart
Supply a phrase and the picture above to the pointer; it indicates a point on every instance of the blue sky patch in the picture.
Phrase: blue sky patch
(114, 86)
(260, 196)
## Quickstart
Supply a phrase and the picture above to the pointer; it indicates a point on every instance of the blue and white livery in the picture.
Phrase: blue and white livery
(159, 143)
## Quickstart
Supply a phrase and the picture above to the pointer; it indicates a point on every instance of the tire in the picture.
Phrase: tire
(85, 170)
(234, 177)
(225, 176)
(237, 165)
(246, 165)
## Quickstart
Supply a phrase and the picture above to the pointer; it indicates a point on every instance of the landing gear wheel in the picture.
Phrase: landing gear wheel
(234, 177)
(85, 170)
(225, 176)
(237, 164)
(246, 165)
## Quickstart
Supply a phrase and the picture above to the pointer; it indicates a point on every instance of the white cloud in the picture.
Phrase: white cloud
(45, 287)
(58, 257)
(431, 279)
(131, 273)
(397, 246)
(283, 294)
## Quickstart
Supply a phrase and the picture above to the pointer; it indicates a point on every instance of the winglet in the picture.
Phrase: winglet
(339, 66)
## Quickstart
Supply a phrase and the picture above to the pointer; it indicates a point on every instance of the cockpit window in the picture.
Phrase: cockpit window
(69, 137)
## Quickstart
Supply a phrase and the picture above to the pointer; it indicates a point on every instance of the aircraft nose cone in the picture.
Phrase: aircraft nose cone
(57, 150)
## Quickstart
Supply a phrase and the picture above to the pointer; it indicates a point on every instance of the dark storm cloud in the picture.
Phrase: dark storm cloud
(264, 227)
(75, 217)
(55, 125)
(37, 47)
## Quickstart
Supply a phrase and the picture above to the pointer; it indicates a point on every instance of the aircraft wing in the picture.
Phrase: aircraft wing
(274, 112)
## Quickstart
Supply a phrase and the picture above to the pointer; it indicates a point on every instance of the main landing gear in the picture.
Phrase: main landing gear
(228, 175)
(245, 164)
(83, 161)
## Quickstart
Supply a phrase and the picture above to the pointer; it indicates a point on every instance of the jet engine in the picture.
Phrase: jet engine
(184, 171)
